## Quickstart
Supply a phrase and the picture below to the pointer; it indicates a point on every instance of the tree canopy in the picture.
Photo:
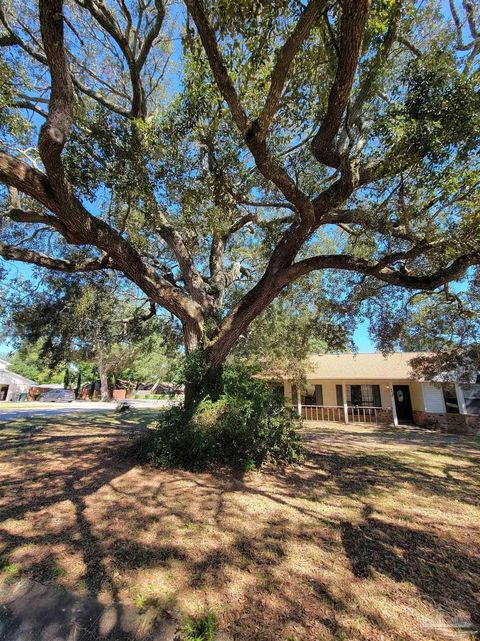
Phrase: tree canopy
(87, 323)
(214, 152)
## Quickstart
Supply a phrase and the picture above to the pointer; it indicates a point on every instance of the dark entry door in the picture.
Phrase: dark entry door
(403, 402)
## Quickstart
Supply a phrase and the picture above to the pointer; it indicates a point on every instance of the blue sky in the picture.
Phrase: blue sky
(362, 339)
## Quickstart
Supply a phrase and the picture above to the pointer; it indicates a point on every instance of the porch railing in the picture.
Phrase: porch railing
(360, 414)
(336, 413)
(332, 413)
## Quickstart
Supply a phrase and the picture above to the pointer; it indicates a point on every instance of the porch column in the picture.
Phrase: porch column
(345, 404)
(394, 408)
(462, 408)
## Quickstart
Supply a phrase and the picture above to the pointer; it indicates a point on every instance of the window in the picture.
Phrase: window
(471, 394)
(363, 395)
(313, 395)
(450, 398)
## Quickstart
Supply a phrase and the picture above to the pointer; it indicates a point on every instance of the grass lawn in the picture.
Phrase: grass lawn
(376, 536)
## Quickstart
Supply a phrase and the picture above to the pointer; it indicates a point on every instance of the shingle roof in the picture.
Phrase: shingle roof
(361, 366)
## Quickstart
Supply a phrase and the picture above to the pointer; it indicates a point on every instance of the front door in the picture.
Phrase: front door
(403, 403)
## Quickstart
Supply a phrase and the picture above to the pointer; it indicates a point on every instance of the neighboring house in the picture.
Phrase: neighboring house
(373, 388)
(11, 384)
(124, 389)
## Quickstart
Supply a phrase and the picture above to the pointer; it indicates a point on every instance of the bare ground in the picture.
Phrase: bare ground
(376, 536)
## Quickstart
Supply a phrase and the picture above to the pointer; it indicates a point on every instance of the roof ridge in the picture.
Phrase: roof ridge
(366, 353)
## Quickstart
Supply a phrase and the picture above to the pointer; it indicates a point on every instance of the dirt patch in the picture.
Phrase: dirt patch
(375, 536)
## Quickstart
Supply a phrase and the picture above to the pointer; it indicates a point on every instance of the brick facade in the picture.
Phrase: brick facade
(451, 423)
(385, 416)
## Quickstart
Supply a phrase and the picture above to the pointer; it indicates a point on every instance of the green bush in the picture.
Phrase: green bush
(201, 629)
(245, 428)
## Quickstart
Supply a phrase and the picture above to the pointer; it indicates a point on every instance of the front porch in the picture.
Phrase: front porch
(373, 402)
(340, 414)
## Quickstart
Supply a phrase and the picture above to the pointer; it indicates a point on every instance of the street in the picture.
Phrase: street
(10, 411)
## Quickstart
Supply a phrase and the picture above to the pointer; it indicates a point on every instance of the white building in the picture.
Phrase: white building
(11, 384)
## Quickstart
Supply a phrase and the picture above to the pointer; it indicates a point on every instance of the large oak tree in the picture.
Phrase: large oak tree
(214, 152)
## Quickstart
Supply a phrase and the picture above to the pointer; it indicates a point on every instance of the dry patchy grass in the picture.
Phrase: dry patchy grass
(375, 537)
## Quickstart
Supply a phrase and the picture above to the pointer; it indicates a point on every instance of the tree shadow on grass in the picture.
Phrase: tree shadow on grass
(357, 474)
(440, 570)
(54, 469)
(125, 523)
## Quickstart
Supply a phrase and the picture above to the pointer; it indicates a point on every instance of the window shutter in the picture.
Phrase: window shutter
(294, 395)
(339, 390)
(377, 399)
(319, 394)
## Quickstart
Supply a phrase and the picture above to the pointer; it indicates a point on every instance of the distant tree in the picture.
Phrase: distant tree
(158, 356)
(83, 321)
(283, 139)
(447, 327)
(29, 362)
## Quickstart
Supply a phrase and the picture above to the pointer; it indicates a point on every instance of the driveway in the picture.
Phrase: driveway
(10, 411)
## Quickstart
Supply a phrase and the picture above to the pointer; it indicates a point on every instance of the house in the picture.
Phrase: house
(377, 388)
(126, 389)
(11, 384)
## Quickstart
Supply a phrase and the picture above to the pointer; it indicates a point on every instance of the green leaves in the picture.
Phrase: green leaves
(439, 116)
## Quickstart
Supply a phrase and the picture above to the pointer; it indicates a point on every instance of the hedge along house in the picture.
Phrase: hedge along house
(373, 388)
(11, 384)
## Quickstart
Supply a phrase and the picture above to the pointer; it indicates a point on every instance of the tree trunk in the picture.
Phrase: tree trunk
(105, 392)
(208, 382)
(79, 384)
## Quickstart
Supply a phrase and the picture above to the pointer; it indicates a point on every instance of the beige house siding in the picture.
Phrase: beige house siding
(330, 391)
(416, 395)
(287, 391)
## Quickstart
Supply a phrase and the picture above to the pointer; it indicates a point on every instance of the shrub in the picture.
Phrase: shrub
(201, 629)
(245, 428)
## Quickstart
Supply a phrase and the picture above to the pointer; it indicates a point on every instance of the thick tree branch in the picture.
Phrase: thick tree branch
(431, 281)
(30, 181)
(18, 215)
(23, 104)
(269, 166)
(260, 296)
(55, 131)
(352, 28)
(284, 59)
(378, 62)
(80, 227)
(217, 63)
(11, 252)
(152, 34)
